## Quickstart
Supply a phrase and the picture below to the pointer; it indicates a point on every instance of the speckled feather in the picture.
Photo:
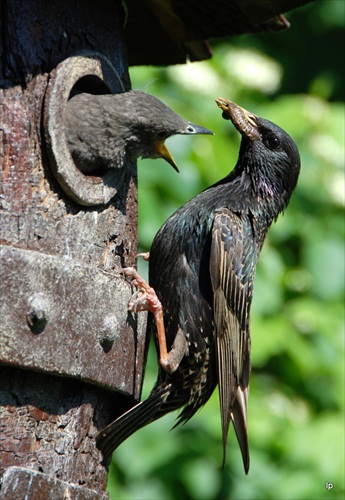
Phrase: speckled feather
(202, 267)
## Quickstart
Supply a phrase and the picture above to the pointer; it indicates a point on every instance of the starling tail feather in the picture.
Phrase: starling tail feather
(137, 417)
(202, 267)
(103, 130)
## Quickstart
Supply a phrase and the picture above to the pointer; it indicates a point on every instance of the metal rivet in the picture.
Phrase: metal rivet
(38, 312)
(109, 331)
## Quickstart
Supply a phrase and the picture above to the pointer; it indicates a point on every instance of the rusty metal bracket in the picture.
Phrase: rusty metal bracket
(95, 74)
(69, 319)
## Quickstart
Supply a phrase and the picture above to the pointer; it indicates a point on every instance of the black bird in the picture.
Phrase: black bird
(102, 130)
(202, 267)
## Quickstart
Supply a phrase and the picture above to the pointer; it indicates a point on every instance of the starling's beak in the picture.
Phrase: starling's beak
(163, 152)
(244, 121)
(187, 129)
(192, 129)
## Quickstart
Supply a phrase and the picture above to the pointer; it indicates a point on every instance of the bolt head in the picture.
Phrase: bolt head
(38, 312)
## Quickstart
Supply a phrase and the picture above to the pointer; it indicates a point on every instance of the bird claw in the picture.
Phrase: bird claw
(138, 301)
(145, 298)
(129, 271)
(144, 255)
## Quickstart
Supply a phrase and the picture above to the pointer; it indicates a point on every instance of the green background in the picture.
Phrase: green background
(296, 420)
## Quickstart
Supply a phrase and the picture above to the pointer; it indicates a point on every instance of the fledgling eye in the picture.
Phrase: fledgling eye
(161, 135)
(272, 141)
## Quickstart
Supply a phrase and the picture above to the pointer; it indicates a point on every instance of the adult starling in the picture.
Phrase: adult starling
(202, 267)
(102, 130)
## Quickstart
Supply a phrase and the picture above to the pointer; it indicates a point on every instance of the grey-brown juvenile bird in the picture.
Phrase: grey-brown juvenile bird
(202, 268)
(102, 130)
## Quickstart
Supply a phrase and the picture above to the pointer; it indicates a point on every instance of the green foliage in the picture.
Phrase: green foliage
(296, 424)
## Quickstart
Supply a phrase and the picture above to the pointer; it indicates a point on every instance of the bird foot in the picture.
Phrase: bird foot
(144, 255)
(145, 299)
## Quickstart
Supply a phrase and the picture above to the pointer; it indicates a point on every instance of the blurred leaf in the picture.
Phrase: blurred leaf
(296, 424)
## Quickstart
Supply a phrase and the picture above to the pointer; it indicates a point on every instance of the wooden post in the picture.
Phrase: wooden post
(71, 356)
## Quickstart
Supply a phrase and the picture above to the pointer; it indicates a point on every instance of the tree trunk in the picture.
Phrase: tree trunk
(71, 355)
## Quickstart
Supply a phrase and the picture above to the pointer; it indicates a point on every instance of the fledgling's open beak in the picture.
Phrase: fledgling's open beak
(244, 121)
(186, 129)
(163, 152)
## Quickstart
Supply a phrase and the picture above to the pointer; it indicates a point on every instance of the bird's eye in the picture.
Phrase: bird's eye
(190, 129)
(161, 135)
(272, 141)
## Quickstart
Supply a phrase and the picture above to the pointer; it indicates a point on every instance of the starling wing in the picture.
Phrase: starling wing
(232, 288)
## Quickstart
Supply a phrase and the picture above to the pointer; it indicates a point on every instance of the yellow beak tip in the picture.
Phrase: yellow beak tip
(164, 153)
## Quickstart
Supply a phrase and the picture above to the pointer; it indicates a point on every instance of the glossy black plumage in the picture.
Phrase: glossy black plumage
(102, 130)
(202, 267)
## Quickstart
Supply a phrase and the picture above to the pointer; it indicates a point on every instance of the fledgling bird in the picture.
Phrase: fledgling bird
(102, 130)
(202, 265)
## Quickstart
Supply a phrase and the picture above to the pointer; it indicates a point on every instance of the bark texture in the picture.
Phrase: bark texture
(71, 357)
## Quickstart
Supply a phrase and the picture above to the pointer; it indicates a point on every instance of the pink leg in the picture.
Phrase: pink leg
(147, 300)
